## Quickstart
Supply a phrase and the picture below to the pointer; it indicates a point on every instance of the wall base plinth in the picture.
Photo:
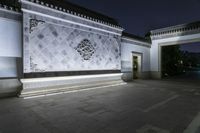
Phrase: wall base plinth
(45, 86)
(9, 87)
(127, 76)
(156, 75)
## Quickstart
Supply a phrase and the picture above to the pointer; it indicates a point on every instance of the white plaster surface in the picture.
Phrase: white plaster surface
(126, 58)
(8, 67)
(11, 38)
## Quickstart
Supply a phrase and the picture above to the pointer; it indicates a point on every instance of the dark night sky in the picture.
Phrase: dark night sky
(140, 16)
(192, 47)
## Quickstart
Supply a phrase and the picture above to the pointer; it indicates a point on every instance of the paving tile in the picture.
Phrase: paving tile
(112, 110)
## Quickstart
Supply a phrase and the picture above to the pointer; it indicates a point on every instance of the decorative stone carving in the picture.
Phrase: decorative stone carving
(85, 49)
(34, 23)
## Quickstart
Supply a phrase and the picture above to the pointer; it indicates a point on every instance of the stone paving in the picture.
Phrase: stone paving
(143, 106)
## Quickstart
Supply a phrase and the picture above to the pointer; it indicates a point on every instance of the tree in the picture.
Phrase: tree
(172, 63)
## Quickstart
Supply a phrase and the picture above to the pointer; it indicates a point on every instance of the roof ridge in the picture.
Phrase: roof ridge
(79, 11)
(139, 38)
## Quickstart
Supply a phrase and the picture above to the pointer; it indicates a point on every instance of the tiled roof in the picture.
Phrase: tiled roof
(12, 5)
(132, 36)
(68, 7)
(176, 29)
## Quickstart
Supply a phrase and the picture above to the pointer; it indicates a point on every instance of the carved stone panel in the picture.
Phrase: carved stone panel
(85, 49)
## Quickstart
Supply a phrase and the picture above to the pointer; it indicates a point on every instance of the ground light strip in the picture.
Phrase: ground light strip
(73, 91)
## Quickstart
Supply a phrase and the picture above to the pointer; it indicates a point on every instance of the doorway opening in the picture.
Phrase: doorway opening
(135, 67)
(181, 61)
(137, 60)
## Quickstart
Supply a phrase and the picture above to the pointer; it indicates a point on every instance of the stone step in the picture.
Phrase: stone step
(66, 88)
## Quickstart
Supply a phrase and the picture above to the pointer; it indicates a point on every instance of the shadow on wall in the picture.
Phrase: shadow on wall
(10, 72)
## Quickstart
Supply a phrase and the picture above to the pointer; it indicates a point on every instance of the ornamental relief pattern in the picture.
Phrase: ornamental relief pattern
(34, 23)
(85, 49)
(58, 48)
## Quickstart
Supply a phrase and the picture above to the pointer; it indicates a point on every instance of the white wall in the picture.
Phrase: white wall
(10, 36)
(156, 51)
(126, 57)
(8, 67)
(69, 47)
(10, 47)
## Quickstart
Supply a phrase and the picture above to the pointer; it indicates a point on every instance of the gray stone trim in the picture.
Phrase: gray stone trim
(10, 14)
(136, 42)
(68, 15)
(178, 30)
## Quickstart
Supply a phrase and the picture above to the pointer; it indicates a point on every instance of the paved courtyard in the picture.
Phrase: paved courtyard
(143, 106)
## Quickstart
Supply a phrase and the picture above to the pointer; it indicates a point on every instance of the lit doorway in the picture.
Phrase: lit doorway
(137, 65)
